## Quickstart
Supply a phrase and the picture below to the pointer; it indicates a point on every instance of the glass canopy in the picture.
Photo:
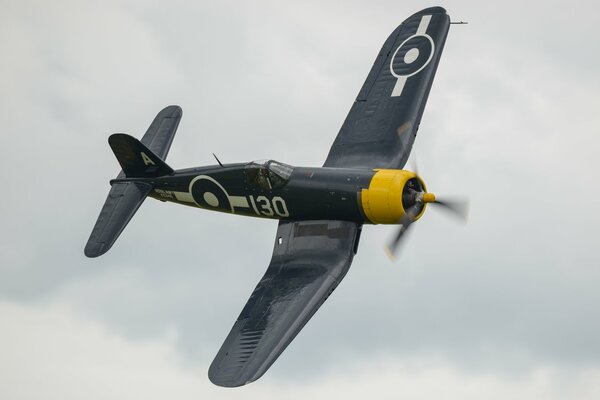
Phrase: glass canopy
(268, 174)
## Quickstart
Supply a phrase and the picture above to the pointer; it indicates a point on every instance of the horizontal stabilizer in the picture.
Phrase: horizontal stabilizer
(160, 134)
(137, 160)
(121, 204)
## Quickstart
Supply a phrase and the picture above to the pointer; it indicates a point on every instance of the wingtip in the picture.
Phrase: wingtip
(226, 381)
(432, 10)
(172, 110)
(94, 249)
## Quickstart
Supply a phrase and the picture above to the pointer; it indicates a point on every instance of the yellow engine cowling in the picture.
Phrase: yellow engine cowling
(382, 201)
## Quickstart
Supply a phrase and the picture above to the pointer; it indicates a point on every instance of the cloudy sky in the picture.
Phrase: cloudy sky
(505, 306)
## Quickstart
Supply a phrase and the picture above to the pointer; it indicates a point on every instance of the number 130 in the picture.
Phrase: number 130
(263, 206)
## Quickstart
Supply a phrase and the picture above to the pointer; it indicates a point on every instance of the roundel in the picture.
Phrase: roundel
(412, 56)
(208, 193)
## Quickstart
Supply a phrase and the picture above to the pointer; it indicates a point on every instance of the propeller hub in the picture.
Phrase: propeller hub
(428, 198)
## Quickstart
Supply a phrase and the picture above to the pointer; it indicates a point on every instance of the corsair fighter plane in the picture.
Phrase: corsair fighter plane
(320, 209)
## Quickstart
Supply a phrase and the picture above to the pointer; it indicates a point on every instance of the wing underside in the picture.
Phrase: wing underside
(309, 260)
(382, 124)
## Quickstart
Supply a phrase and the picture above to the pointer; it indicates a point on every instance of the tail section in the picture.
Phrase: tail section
(136, 159)
(143, 159)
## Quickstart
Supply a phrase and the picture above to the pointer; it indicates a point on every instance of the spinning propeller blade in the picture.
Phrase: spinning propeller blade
(392, 247)
(457, 207)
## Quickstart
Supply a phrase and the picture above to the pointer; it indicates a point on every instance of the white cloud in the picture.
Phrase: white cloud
(54, 352)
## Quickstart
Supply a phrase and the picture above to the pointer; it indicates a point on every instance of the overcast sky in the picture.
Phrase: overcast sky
(505, 306)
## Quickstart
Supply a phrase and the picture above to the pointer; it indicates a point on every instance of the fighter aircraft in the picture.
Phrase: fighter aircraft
(320, 210)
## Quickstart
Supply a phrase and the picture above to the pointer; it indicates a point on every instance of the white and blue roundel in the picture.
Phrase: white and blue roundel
(412, 56)
(208, 193)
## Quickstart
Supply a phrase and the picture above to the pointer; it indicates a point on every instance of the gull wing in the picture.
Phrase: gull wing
(382, 124)
(309, 260)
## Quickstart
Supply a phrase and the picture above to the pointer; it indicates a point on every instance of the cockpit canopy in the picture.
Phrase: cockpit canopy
(268, 174)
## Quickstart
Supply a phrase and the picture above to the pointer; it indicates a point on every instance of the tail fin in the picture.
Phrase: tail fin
(136, 159)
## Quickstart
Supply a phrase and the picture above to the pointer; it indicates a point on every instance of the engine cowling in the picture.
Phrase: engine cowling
(392, 193)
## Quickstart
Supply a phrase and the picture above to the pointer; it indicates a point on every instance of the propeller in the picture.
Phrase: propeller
(458, 208)
(405, 224)
(414, 201)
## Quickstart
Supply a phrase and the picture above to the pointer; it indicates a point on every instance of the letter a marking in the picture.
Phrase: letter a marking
(147, 160)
